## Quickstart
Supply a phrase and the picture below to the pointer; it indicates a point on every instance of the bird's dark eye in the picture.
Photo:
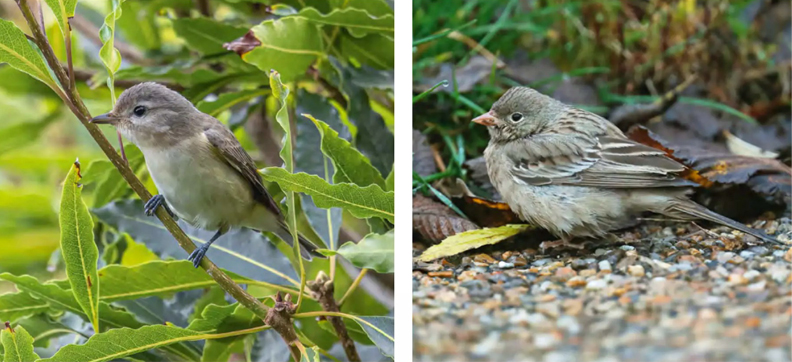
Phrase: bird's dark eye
(516, 116)
(139, 111)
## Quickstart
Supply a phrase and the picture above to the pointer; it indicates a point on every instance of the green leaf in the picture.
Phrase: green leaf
(16, 135)
(361, 202)
(350, 165)
(380, 331)
(63, 10)
(289, 45)
(118, 343)
(389, 182)
(20, 54)
(472, 239)
(242, 251)
(14, 306)
(206, 35)
(62, 299)
(110, 56)
(18, 345)
(79, 250)
(358, 22)
(373, 7)
(124, 283)
(373, 49)
(222, 319)
(111, 185)
(374, 251)
(228, 100)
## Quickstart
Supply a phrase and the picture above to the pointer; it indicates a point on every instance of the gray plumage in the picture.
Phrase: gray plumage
(204, 175)
(576, 174)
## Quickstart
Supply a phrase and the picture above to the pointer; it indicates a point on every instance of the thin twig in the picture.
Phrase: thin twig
(353, 286)
(279, 320)
(323, 290)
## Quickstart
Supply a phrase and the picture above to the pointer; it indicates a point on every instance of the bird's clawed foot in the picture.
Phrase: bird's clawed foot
(198, 254)
(561, 244)
(154, 202)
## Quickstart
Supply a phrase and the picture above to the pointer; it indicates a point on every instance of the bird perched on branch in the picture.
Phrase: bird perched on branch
(203, 174)
(576, 174)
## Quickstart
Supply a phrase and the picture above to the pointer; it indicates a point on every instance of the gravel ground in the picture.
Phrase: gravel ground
(683, 293)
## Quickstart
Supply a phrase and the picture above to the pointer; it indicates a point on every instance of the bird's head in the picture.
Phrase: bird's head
(520, 112)
(151, 113)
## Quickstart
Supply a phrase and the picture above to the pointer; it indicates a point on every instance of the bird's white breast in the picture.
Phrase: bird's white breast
(198, 185)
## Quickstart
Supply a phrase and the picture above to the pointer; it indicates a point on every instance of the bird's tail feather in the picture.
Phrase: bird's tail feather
(307, 248)
(701, 212)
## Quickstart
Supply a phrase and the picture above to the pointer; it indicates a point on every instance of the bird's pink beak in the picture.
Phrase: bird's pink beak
(486, 119)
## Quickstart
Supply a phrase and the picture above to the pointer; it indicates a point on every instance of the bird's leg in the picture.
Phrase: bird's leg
(563, 242)
(198, 254)
(156, 201)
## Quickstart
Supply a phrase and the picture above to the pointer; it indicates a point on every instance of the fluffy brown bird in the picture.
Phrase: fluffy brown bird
(576, 174)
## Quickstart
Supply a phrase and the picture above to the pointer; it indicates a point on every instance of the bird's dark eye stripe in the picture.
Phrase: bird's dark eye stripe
(139, 111)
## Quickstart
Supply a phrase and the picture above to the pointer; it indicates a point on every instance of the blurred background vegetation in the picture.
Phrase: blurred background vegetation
(599, 55)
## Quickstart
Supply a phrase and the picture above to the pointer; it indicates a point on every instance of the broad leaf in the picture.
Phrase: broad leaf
(111, 185)
(78, 248)
(390, 181)
(361, 202)
(126, 283)
(227, 100)
(269, 346)
(350, 165)
(63, 10)
(472, 239)
(373, 49)
(241, 251)
(18, 345)
(16, 135)
(289, 45)
(118, 343)
(380, 330)
(14, 306)
(20, 54)
(206, 35)
(357, 22)
(375, 251)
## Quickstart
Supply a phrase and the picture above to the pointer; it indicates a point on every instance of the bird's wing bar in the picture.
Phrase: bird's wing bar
(605, 161)
(232, 152)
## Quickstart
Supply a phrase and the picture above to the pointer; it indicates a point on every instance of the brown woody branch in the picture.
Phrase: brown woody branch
(280, 321)
(322, 290)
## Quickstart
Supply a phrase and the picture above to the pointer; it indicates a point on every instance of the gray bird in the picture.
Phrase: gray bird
(203, 174)
(576, 174)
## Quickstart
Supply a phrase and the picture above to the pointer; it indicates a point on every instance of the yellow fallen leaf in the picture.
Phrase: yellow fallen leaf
(472, 239)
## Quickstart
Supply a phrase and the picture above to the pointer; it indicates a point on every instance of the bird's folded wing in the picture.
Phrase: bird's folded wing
(227, 146)
(605, 161)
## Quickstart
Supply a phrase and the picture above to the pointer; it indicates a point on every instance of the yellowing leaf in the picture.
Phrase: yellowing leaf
(472, 239)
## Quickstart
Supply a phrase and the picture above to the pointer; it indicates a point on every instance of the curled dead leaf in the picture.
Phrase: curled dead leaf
(435, 221)
(244, 44)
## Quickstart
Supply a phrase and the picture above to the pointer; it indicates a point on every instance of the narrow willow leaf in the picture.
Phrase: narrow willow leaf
(78, 248)
(206, 35)
(110, 56)
(289, 45)
(350, 165)
(14, 306)
(228, 100)
(361, 202)
(380, 330)
(375, 252)
(358, 22)
(472, 239)
(18, 345)
(63, 10)
(20, 54)
(125, 283)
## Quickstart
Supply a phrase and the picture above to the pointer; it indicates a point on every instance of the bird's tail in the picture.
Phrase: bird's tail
(700, 212)
(307, 248)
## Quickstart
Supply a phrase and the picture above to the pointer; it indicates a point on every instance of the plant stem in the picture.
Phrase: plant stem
(322, 290)
(353, 286)
(279, 321)
(331, 239)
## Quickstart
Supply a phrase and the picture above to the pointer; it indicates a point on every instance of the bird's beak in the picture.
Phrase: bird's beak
(486, 119)
(106, 118)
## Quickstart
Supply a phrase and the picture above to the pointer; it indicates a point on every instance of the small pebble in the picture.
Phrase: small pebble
(596, 284)
(636, 270)
(505, 265)
(627, 247)
(751, 274)
(605, 266)
(724, 257)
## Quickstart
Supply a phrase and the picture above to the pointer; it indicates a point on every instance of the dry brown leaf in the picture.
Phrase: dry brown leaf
(435, 221)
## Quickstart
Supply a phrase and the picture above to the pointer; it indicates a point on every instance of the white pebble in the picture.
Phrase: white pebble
(605, 265)
(751, 274)
(596, 284)
(636, 270)
(505, 265)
